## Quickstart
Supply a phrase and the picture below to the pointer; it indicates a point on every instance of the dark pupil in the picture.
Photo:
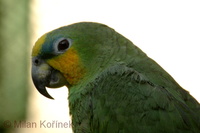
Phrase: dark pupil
(63, 45)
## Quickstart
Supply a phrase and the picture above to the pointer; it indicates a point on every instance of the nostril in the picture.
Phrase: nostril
(36, 61)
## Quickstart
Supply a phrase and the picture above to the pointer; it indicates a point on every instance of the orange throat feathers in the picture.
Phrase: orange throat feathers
(70, 65)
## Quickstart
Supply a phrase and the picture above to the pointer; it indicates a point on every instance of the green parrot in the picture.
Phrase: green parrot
(114, 87)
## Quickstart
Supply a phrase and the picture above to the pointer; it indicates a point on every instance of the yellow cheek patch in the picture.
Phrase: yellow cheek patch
(38, 45)
(69, 64)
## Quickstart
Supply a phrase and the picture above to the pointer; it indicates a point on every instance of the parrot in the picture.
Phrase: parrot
(113, 86)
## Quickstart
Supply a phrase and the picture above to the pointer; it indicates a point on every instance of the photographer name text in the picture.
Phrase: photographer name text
(39, 124)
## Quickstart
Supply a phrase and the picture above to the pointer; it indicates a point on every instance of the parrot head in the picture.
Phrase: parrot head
(70, 55)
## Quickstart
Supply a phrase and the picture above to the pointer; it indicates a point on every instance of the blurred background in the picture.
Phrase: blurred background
(167, 31)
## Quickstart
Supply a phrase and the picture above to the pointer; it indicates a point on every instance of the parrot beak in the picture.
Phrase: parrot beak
(44, 76)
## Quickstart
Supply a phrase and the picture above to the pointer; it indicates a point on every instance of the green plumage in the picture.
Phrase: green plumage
(123, 90)
(124, 101)
(128, 91)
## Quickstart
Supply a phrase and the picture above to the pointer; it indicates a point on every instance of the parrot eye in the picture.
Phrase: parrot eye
(63, 45)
